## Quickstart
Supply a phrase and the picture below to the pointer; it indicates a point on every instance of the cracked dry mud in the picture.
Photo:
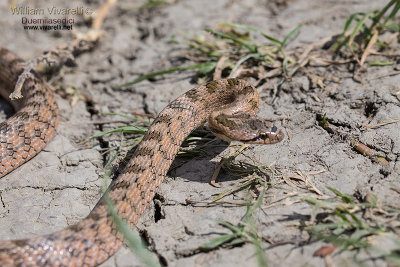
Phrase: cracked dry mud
(61, 185)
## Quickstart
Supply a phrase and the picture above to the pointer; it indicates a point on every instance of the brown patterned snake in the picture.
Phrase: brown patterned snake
(95, 238)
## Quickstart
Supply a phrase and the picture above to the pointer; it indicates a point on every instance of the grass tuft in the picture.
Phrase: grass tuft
(350, 224)
(240, 50)
(244, 232)
(361, 30)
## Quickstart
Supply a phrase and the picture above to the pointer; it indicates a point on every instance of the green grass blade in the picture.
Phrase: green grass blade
(359, 224)
(378, 17)
(395, 27)
(324, 226)
(236, 241)
(231, 191)
(348, 22)
(392, 14)
(251, 48)
(132, 118)
(230, 226)
(320, 204)
(290, 35)
(344, 218)
(345, 197)
(359, 24)
(248, 218)
(261, 259)
(131, 237)
(171, 70)
(359, 234)
(153, 3)
(256, 205)
(380, 63)
(206, 68)
(123, 129)
(249, 28)
(240, 62)
(217, 242)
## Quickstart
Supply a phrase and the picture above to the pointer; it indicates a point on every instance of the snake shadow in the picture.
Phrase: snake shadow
(200, 168)
(198, 162)
(6, 109)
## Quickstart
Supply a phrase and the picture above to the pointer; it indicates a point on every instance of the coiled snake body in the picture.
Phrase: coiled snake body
(95, 238)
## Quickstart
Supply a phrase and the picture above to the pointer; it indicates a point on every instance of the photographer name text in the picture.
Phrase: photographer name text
(27, 10)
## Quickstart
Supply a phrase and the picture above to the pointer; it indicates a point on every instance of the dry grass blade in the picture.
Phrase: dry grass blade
(101, 14)
(304, 177)
(220, 67)
(367, 50)
(393, 73)
(372, 126)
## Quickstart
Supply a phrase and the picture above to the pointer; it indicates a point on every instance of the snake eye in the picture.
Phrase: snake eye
(274, 129)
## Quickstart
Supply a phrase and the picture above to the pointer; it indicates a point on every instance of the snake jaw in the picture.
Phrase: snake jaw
(271, 136)
(263, 133)
(274, 136)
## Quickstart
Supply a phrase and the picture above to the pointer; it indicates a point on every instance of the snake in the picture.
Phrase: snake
(229, 105)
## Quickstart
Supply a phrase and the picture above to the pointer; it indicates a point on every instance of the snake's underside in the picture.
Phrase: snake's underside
(229, 105)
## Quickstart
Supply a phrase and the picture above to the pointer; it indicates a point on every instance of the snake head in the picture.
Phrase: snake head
(260, 131)
(246, 128)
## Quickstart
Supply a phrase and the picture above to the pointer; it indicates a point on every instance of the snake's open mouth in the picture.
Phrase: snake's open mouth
(268, 137)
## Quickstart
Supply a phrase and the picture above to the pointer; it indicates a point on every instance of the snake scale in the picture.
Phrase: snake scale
(229, 105)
